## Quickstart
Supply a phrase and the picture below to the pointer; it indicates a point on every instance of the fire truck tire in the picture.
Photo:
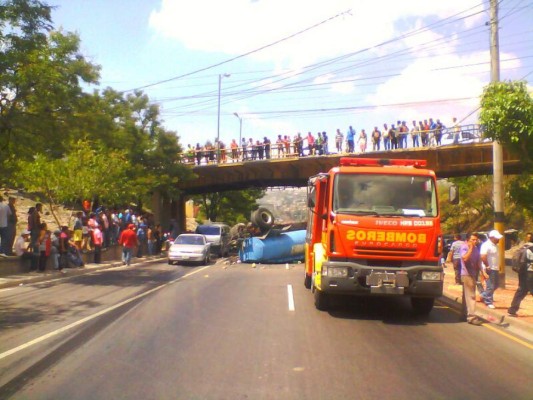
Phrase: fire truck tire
(307, 282)
(263, 218)
(321, 300)
(422, 305)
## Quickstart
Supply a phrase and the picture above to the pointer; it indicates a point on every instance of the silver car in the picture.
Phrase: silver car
(190, 247)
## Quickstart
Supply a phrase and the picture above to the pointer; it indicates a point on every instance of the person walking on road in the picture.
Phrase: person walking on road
(490, 257)
(454, 257)
(525, 279)
(128, 240)
(470, 266)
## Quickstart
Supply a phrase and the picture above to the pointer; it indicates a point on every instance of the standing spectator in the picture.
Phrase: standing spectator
(402, 135)
(128, 241)
(266, 144)
(325, 145)
(470, 266)
(63, 248)
(287, 143)
(376, 139)
(34, 226)
(158, 239)
(142, 240)
(150, 240)
(44, 245)
(456, 131)
(97, 242)
(244, 146)
(318, 144)
(12, 220)
(525, 279)
(280, 147)
(339, 137)
(350, 137)
(78, 229)
(438, 132)
(362, 141)
(5, 213)
(234, 150)
(415, 132)
(54, 249)
(260, 149)
(386, 137)
(198, 153)
(393, 135)
(454, 257)
(427, 132)
(253, 149)
(432, 129)
(491, 260)
(310, 144)
(299, 145)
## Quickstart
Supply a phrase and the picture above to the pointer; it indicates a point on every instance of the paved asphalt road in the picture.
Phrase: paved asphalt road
(236, 332)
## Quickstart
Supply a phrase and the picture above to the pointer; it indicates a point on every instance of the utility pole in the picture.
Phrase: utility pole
(497, 151)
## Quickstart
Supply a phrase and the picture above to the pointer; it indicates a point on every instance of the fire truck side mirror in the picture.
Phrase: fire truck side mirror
(453, 197)
(311, 199)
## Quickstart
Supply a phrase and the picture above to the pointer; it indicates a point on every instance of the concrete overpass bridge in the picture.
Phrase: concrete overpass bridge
(447, 161)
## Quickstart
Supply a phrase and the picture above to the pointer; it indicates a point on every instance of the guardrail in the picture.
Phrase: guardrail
(465, 134)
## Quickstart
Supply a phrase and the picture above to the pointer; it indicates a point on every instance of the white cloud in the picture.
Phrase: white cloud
(238, 26)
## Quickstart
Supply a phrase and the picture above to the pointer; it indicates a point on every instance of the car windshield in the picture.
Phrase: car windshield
(208, 229)
(385, 195)
(199, 240)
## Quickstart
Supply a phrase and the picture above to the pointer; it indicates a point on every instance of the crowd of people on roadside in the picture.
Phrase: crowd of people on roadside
(91, 231)
(477, 267)
(396, 136)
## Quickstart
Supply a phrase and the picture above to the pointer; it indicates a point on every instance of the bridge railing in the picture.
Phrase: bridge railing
(463, 134)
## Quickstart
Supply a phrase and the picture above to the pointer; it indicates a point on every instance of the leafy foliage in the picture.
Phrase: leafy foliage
(507, 115)
(230, 207)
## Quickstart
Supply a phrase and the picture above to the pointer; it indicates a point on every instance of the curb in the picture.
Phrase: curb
(510, 324)
(19, 280)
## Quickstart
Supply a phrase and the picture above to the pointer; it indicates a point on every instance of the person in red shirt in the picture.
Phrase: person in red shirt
(128, 240)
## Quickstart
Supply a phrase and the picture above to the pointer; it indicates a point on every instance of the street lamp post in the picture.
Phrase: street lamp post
(240, 128)
(220, 76)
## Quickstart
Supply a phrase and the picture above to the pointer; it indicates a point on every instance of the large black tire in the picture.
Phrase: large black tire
(422, 305)
(321, 300)
(307, 281)
(263, 218)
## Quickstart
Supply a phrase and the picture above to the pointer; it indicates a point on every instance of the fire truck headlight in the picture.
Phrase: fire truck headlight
(431, 276)
(337, 272)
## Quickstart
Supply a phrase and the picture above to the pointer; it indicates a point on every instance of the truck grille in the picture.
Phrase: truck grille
(377, 252)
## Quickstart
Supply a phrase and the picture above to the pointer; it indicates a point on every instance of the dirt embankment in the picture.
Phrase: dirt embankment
(25, 201)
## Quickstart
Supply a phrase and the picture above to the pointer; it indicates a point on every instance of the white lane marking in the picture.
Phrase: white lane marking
(91, 317)
(291, 297)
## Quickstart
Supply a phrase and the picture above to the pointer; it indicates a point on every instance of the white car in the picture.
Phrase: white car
(189, 247)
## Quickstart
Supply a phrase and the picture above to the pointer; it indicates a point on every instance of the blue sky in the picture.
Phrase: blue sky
(296, 65)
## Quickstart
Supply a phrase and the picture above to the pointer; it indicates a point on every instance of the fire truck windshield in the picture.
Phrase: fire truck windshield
(384, 195)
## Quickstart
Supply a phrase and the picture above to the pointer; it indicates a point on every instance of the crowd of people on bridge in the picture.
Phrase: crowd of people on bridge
(396, 136)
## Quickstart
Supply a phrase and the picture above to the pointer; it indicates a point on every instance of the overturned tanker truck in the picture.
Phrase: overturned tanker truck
(272, 244)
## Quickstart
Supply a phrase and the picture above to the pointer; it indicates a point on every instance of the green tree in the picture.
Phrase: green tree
(231, 206)
(88, 171)
(41, 71)
(507, 116)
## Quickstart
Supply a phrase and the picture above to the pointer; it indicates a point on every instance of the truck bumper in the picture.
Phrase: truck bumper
(356, 279)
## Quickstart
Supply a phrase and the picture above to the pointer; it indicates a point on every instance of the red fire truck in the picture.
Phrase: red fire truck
(374, 230)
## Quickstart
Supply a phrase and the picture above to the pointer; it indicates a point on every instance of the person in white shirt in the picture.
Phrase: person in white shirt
(490, 261)
(22, 242)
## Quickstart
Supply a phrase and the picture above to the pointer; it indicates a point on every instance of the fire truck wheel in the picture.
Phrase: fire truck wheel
(307, 282)
(422, 305)
(321, 300)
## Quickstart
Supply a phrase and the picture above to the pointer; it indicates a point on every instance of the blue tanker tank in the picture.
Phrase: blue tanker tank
(274, 249)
